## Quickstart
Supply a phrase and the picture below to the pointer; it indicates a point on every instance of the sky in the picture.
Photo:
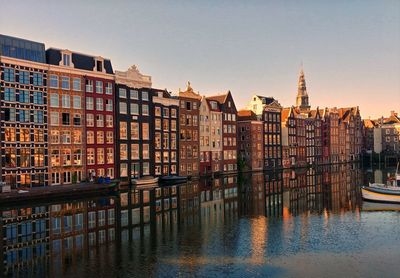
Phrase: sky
(350, 50)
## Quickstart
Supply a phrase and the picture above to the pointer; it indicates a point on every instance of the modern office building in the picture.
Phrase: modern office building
(23, 105)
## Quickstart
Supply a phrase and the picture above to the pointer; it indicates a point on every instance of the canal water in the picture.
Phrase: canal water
(293, 223)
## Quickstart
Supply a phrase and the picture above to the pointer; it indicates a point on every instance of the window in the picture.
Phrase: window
(65, 83)
(9, 114)
(24, 96)
(9, 75)
(89, 120)
(38, 157)
(76, 84)
(110, 156)
(145, 110)
(100, 156)
(145, 153)
(100, 137)
(122, 107)
(134, 151)
(99, 120)
(54, 102)
(145, 96)
(109, 121)
(38, 117)
(10, 160)
(109, 105)
(66, 157)
(145, 131)
(109, 137)
(146, 168)
(188, 105)
(38, 135)
(99, 87)
(10, 134)
(25, 155)
(54, 118)
(157, 123)
(166, 112)
(66, 119)
(99, 104)
(122, 93)
(9, 94)
(90, 156)
(173, 113)
(66, 59)
(77, 102)
(123, 151)
(134, 109)
(38, 98)
(90, 137)
(134, 130)
(123, 170)
(109, 88)
(24, 77)
(123, 130)
(158, 111)
(77, 120)
(65, 137)
(134, 94)
(24, 135)
(99, 65)
(66, 101)
(77, 157)
(89, 86)
(89, 103)
(37, 79)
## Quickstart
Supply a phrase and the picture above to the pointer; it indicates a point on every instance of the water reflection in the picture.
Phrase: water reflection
(141, 232)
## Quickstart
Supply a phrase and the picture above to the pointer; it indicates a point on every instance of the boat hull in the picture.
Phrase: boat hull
(147, 181)
(373, 196)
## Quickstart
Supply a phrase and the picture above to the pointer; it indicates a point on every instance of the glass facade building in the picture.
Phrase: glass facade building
(22, 49)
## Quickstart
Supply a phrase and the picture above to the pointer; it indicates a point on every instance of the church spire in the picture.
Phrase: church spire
(302, 95)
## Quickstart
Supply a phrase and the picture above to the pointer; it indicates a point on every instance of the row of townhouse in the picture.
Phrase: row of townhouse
(68, 117)
(297, 136)
(382, 135)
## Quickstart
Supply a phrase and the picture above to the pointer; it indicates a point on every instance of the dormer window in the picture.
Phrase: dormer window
(99, 64)
(66, 58)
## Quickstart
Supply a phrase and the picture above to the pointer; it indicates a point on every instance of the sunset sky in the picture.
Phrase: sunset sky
(350, 49)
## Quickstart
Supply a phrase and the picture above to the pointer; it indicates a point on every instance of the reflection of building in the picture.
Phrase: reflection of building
(133, 111)
(250, 140)
(24, 133)
(25, 237)
(189, 132)
(274, 194)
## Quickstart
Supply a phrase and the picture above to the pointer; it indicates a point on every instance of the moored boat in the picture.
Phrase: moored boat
(381, 193)
(145, 181)
(173, 179)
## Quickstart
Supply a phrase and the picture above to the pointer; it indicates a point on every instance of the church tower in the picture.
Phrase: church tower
(302, 96)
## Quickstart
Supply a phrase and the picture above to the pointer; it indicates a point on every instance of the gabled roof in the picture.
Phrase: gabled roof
(369, 123)
(266, 100)
(189, 93)
(219, 98)
(286, 113)
(245, 115)
(217, 109)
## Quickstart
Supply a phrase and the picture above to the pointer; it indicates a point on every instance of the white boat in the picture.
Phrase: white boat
(145, 181)
(385, 193)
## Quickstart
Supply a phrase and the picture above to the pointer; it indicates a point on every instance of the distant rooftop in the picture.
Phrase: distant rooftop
(22, 49)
